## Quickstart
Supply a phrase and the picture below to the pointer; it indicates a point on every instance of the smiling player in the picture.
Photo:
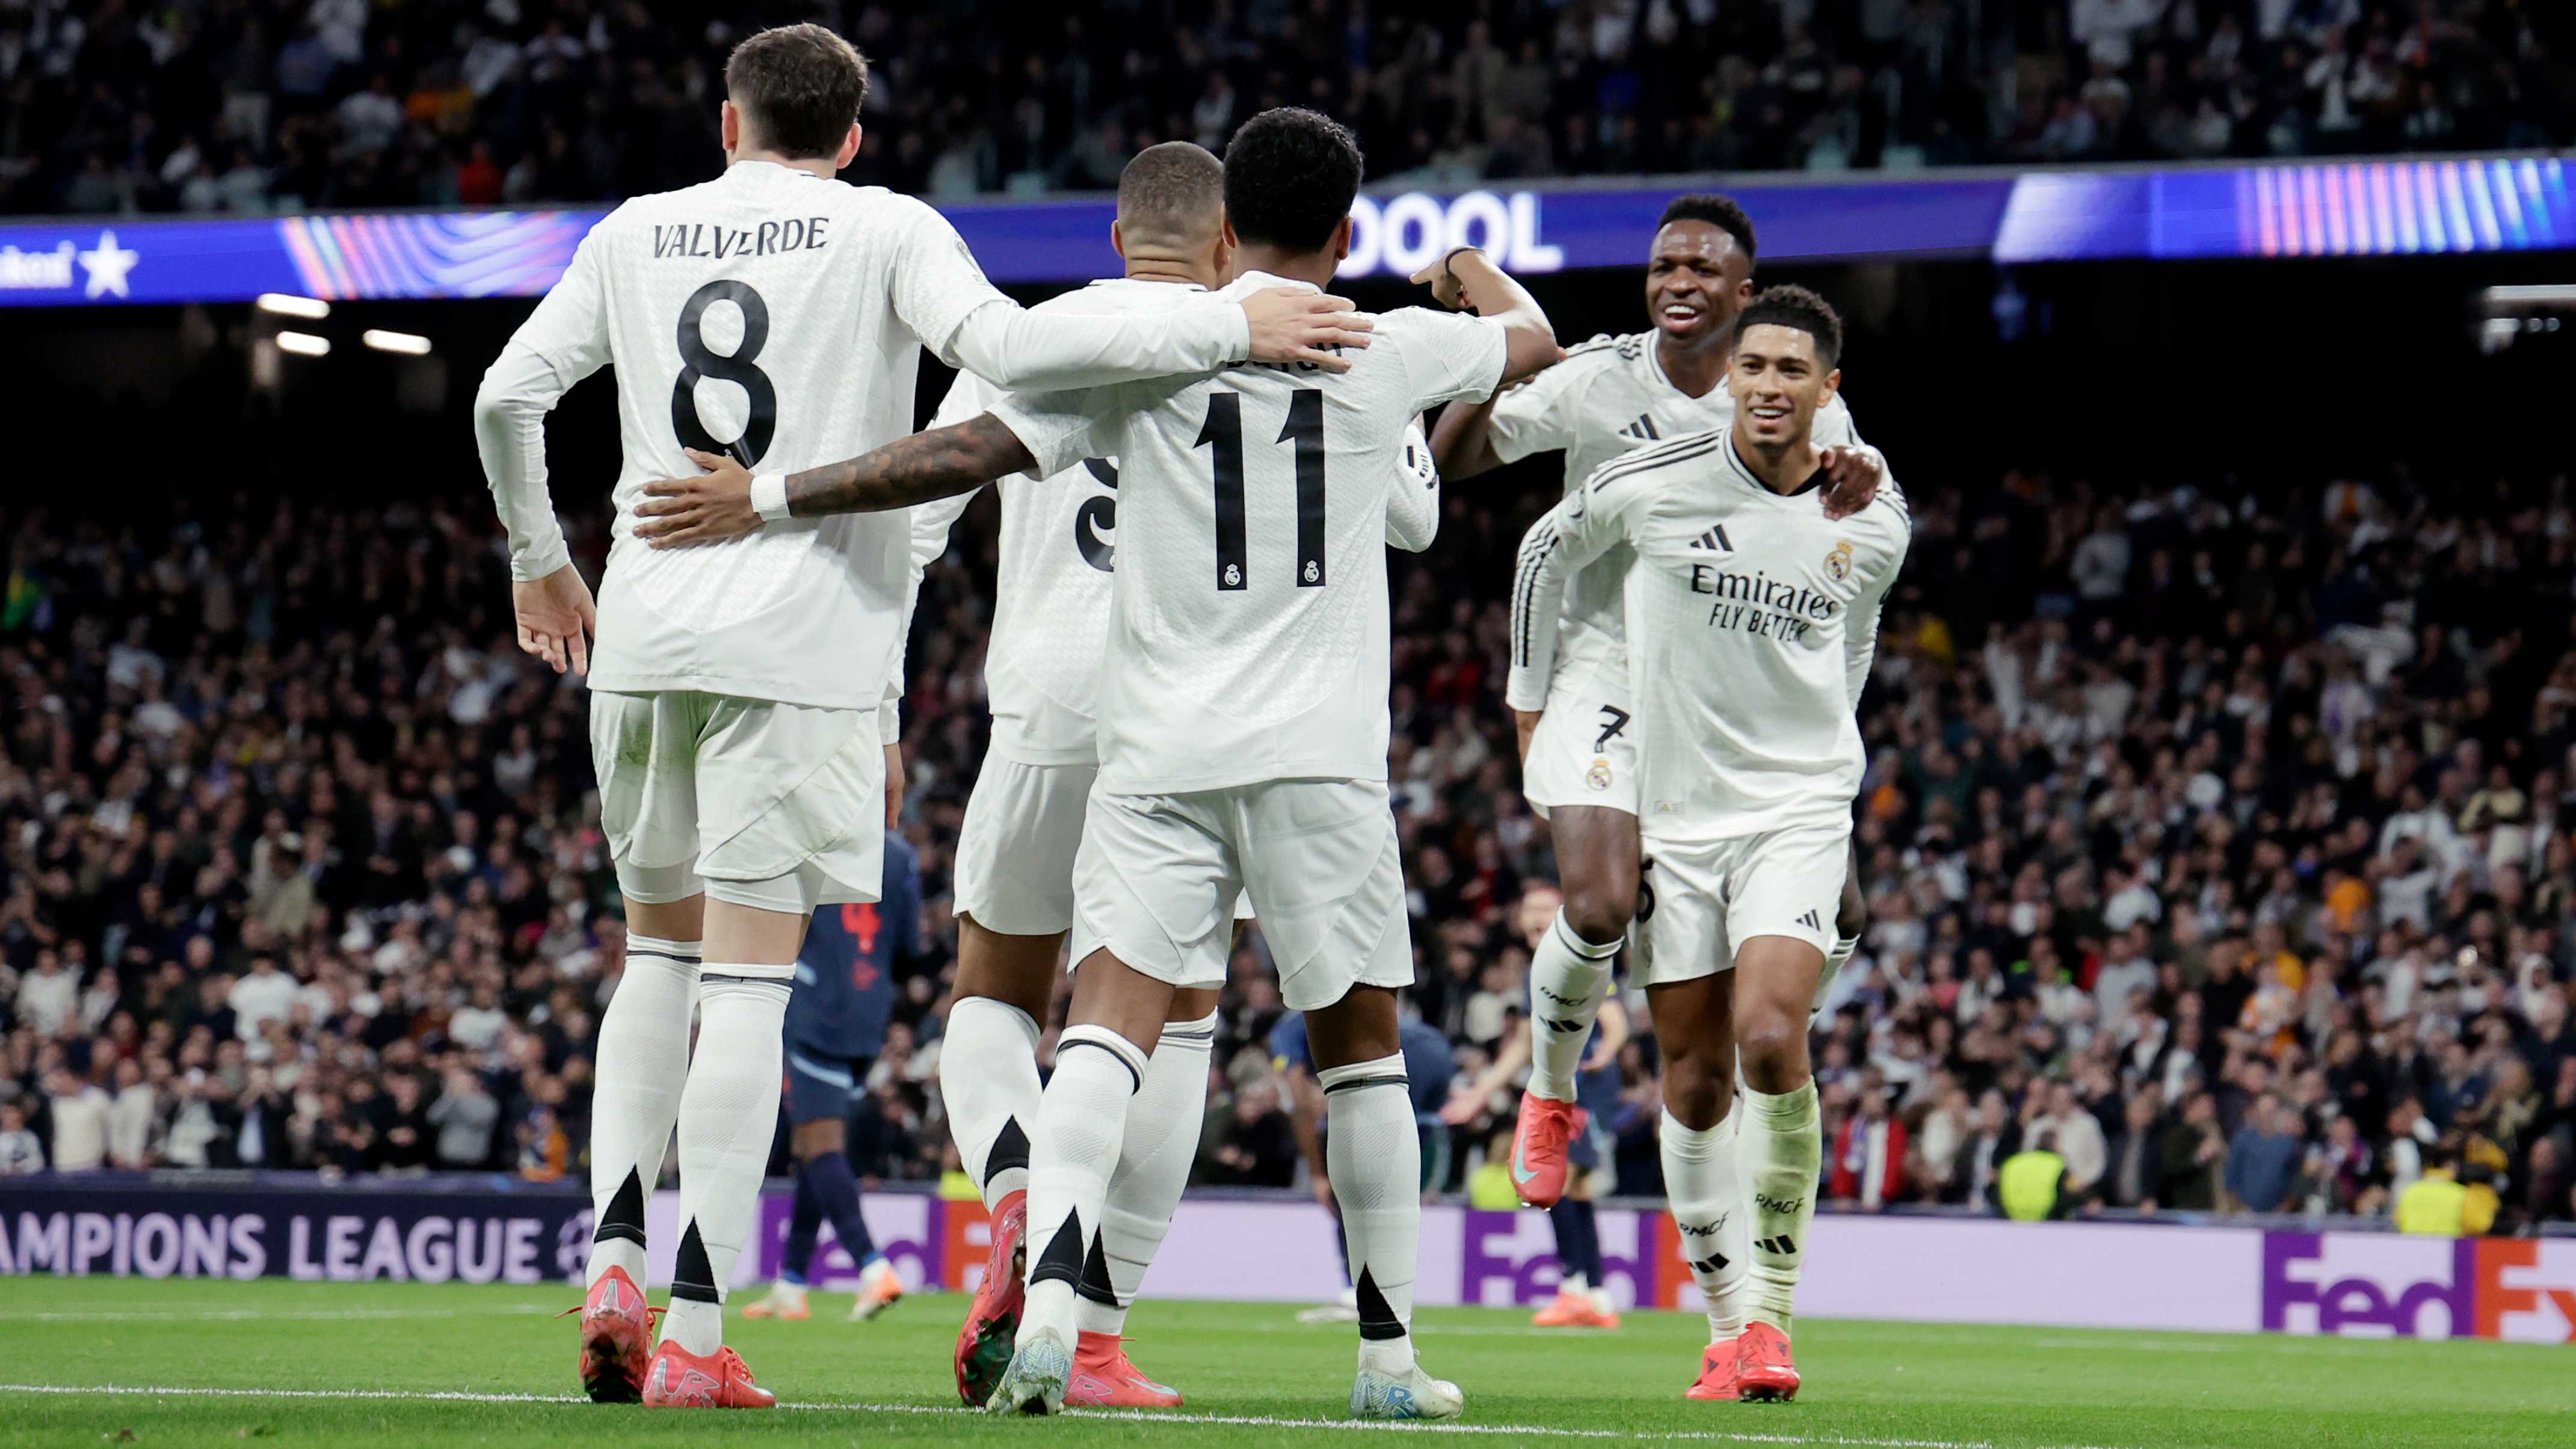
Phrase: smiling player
(1611, 396)
(1757, 617)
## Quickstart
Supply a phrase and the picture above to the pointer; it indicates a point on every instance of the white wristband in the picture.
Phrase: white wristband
(769, 496)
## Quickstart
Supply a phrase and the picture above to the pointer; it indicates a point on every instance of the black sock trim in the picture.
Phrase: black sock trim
(624, 1219)
(693, 1278)
(1114, 1055)
(1206, 1034)
(1010, 1149)
(1094, 1283)
(1377, 1317)
(1062, 1260)
(669, 956)
(1355, 1083)
(726, 978)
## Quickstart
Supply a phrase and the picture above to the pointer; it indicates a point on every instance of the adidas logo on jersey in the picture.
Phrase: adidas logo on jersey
(1715, 539)
(1643, 429)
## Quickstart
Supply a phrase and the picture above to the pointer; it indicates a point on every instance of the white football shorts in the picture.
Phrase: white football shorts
(1699, 902)
(1157, 875)
(775, 806)
(1584, 751)
(1015, 852)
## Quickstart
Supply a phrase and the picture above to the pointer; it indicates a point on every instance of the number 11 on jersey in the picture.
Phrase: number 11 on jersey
(1222, 434)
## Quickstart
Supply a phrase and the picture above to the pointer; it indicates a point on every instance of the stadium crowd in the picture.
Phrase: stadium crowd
(2227, 853)
(262, 105)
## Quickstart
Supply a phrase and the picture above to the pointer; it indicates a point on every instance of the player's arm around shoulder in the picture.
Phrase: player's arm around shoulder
(1466, 279)
(727, 500)
(1854, 471)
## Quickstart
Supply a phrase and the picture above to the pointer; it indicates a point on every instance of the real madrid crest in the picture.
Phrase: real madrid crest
(1838, 564)
(1598, 777)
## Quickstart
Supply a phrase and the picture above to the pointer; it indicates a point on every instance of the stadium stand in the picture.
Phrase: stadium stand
(2224, 853)
(258, 105)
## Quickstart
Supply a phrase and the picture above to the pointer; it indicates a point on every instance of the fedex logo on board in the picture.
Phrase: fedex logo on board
(2366, 1285)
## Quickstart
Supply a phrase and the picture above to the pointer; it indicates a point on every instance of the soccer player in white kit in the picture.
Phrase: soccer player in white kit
(1242, 726)
(1607, 398)
(1752, 619)
(777, 315)
(1015, 855)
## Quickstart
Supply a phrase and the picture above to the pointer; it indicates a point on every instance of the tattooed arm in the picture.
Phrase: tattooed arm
(727, 501)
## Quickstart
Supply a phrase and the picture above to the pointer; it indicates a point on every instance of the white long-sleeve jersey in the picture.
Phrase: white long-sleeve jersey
(1752, 619)
(1606, 399)
(1248, 623)
(1051, 588)
(780, 317)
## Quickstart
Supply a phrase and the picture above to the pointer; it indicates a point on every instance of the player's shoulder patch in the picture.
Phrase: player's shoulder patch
(1643, 463)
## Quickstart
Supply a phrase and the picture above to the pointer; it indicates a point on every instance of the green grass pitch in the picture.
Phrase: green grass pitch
(341, 1364)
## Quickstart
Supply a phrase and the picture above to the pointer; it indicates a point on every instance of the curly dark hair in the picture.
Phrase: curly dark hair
(1290, 174)
(1718, 211)
(1794, 306)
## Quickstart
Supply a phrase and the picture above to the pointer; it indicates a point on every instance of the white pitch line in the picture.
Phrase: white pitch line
(1133, 1416)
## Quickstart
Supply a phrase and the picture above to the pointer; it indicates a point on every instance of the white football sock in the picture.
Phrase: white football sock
(988, 1078)
(1783, 1146)
(642, 1058)
(1568, 978)
(1705, 1188)
(1082, 1119)
(1154, 1157)
(1375, 1158)
(728, 1117)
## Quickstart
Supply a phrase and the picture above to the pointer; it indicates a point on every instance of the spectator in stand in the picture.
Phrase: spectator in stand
(2135, 1158)
(2076, 1136)
(79, 1112)
(2194, 1156)
(465, 1116)
(1253, 1146)
(1867, 1167)
(132, 1117)
(22, 1152)
(2263, 1158)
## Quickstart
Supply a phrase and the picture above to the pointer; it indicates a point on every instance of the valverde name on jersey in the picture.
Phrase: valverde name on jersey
(715, 241)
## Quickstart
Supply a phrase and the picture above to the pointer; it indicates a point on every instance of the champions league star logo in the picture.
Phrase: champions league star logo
(107, 263)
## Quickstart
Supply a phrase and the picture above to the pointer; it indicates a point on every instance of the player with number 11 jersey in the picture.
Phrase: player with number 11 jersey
(772, 315)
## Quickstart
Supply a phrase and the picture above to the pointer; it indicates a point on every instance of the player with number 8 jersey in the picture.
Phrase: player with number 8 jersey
(1243, 723)
(774, 316)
